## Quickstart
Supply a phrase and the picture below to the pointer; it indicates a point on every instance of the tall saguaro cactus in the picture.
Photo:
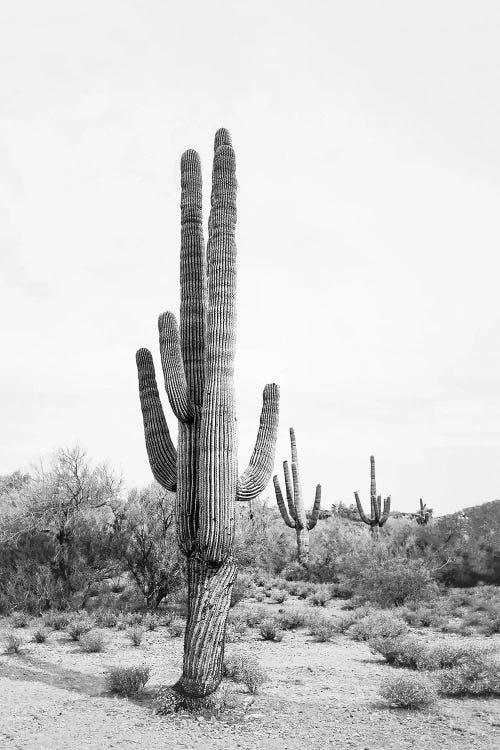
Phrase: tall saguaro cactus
(424, 514)
(295, 517)
(198, 365)
(378, 516)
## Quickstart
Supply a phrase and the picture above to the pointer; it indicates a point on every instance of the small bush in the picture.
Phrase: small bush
(304, 591)
(19, 619)
(478, 674)
(292, 619)
(320, 597)
(56, 620)
(280, 596)
(92, 642)
(408, 691)
(240, 590)
(255, 616)
(40, 635)
(127, 680)
(270, 630)
(117, 587)
(78, 627)
(400, 651)
(376, 625)
(322, 629)
(12, 644)
(135, 635)
(247, 670)
(176, 628)
(134, 618)
(107, 619)
(445, 655)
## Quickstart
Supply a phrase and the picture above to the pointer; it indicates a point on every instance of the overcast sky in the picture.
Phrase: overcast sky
(368, 161)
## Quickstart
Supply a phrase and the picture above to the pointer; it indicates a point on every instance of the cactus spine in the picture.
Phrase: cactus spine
(198, 364)
(295, 517)
(378, 516)
(424, 514)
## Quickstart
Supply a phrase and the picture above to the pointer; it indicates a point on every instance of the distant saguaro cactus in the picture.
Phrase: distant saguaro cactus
(295, 517)
(424, 514)
(198, 365)
(378, 516)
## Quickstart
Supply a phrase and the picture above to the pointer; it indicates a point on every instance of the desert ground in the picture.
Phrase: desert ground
(318, 695)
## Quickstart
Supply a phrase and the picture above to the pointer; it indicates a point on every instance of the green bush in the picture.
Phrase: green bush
(387, 580)
(127, 680)
(408, 691)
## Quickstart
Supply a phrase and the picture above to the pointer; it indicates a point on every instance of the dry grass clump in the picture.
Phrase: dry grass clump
(40, 635)
(151, 622)
(135, 635)
(56, 620)
(176, 628)
(408, 691)
(322, 628)
(280, 595)
(255, 616)
(292, 619)
(270, 630)
(247, 670)
(319, 597)
(92, 642)
(127, 680)
(12, 644)
(106, 618)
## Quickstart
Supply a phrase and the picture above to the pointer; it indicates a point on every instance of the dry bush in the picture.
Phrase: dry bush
(319, 597)
(78, 626)
(401, 651)
(376, 625)
(408, 691)
(12, 644)
(135, 635)
(19, 619)
(292, 619)
(176, 628)
(321, 628)
(270, 630)
(92, 642)
(127, 680)
(40, 635)
(247, 670)
(56, 620)
(477, 674)
(106, 618)
(280, 595)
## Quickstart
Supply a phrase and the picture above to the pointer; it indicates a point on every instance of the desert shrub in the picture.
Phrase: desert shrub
(57, 620)
(19, 619)
(106, 618)
(292, 619)
(403, 651)
(270, 630)
(259, 596)
(92, 642)
(319, 597)
(305, 590)
(12, 644)
(388, 580)
(421, 617)
(408, 691)
(477, 674)
(377, 624)
(127, 680)
(446, 655)
(176, 628)
(321, 628)
(135, 635)
(247, 670)
(280, 596)
(78, 626)
(255, 616)
(134, 618)
(117, 587)
(40, 635)
(241, 589)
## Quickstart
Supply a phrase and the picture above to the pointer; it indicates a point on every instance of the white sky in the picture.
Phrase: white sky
(368, 152)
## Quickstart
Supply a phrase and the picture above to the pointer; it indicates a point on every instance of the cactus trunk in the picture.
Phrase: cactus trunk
(198, 364)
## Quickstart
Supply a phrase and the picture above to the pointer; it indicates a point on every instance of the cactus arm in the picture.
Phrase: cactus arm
(173, 368)
(387, 509)
(315, 511)
(293, 445)
(361, 512)
(255, 478)
(160, 449)
(299, 501)
(289, 491)
(376, 509)
(281, 503)
(218, 441)
(193, 277)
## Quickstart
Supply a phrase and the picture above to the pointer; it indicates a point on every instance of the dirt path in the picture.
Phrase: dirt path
(320, 695)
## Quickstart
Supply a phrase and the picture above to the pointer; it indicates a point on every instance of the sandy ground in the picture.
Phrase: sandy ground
(319, 695)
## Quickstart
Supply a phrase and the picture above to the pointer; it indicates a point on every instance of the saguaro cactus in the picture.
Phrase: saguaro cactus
(198, 365)
(295, 517)
(378, 516)
(424, 514)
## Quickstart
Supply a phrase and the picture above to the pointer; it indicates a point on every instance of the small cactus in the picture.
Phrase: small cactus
(378, 516)
(424, 514)
(295, 517)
